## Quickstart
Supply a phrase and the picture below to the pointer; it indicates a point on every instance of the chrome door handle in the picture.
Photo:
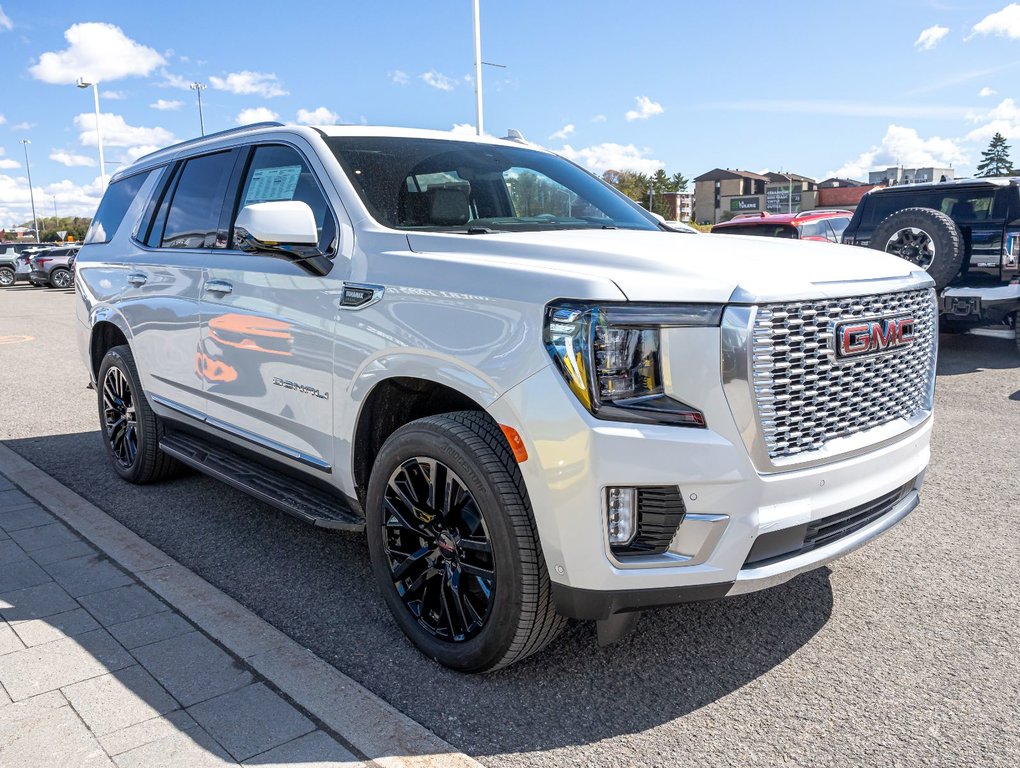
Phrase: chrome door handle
(137, 278)
(218, 286)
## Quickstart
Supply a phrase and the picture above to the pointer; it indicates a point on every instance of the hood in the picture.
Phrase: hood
(668, 266)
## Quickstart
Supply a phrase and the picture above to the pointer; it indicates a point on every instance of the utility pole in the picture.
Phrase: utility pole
(478, 71)
(31, 192)
(198, 88)
(82, 83)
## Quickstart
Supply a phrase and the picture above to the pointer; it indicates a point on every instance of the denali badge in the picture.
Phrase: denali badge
(304, 389)
(857, 338)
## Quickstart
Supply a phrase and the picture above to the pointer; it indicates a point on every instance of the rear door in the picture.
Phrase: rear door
(266, 352)
(162, 299)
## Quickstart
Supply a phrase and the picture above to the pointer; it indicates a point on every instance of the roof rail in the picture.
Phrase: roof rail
(217, 135)
(813, 211)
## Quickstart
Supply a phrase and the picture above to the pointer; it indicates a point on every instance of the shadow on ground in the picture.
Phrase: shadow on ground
(316, 586)
(963, 353)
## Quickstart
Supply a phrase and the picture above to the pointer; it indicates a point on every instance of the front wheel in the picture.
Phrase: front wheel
(61, 278)
(7, 277)
(454, 547)
(131, 431)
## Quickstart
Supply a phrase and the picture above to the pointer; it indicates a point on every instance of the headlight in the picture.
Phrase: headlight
(609, 355)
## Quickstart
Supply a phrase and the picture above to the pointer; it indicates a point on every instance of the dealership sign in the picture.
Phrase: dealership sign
(778, 198)
(744, 203)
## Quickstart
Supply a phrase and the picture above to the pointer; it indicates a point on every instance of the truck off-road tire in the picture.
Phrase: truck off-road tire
(925, 237)
(454, 547)
(131, 431)
(61, 278)
(7, 277)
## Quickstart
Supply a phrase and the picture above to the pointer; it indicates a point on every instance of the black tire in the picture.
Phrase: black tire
(518, 618)
(133, 446)
(61, 278)
(7, 277)
(925, 237)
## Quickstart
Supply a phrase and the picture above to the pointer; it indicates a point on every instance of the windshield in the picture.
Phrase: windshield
(461, 186)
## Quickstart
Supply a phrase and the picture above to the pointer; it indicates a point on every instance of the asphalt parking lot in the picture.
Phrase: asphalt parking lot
(905, 653)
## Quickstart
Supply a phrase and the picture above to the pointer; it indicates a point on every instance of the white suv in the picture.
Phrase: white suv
(537, 402)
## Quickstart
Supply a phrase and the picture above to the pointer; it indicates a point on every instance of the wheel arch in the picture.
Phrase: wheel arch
(108, 330)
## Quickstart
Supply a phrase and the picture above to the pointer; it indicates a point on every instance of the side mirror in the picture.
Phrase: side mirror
(284, 228)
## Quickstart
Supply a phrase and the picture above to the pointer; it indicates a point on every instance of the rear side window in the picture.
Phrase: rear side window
(115, 203)
(194, 215)
(280, 173)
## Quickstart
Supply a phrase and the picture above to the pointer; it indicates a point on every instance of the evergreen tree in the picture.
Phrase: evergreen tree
(995, 160)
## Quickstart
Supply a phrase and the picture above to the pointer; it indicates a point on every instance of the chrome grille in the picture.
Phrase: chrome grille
(805, 397)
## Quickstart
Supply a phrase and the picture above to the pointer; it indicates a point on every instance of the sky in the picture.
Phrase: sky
(815, 88)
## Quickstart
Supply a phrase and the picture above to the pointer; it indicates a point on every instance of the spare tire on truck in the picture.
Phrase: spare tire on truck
(925, 237)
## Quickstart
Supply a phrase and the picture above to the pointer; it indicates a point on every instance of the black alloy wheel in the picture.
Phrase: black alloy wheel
(120, 423)
(438, 550)
(130, 429)
(913, 245)
(926, 238)
(61, 278)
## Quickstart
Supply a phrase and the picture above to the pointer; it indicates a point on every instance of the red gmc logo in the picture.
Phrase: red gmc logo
(857, 338)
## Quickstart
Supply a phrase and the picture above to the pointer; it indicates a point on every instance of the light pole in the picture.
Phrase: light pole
(31, 192)
(99, 135)
(478, 71)
(198, 88)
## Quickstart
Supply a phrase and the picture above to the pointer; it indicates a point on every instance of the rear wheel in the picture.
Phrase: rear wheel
(7, 277)
(131, 431)
(61, 278)
(454, 547)
(925, 237)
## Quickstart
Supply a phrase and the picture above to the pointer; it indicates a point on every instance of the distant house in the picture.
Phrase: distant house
(724, 192)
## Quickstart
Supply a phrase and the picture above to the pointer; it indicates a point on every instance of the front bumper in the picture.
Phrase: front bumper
(730, 504)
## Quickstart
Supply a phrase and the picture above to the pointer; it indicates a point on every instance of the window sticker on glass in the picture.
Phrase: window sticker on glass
(273, 184)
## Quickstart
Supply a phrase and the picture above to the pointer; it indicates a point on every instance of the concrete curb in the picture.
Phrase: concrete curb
(381, 733)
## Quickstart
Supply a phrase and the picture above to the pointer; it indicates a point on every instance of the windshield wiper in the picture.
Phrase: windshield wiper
(481, 231)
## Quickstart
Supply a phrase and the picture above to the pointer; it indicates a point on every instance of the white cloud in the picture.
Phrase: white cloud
(3, 119)
(618, 157)
(904, 146)
(6, 162)
(170, 80)
(317, 116)
(23, 126)
(5, 21)
(464, 129)
(645, 108)
(438, 80)
(166, 105)
(986, 91)
(1004, 23)
(400, 77)
(930, 37)
(72, 199)
(599, 119)
(1004, 118)
(263, 84)
(256, 115)
(114, 95)
(100, 52)
(72, 160)
(117, 132)
(133, 153)
(563, 132)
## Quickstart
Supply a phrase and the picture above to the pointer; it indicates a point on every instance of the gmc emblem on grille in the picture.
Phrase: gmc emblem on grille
(857, 338)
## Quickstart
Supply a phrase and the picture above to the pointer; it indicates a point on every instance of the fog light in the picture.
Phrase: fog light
(621, 515)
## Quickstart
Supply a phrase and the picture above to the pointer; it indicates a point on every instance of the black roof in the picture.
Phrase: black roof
(1000, 181)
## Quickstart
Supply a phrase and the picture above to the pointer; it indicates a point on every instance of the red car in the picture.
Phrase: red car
(824, 224)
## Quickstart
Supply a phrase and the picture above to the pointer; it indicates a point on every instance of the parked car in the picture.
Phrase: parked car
(52, 268)
(965, 235)
(823, 224)
(13, 263)
(532, 414)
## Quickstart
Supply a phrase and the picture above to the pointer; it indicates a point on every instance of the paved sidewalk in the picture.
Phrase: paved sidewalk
(97, 670)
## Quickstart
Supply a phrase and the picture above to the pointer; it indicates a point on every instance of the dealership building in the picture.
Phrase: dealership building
(722, 193)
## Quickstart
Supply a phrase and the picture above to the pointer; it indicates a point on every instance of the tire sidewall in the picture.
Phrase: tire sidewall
(119, 357)
(13, 276)
(55, 273)
(949, 247)
(492, 642)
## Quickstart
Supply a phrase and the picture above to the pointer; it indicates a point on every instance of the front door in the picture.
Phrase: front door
(266, 352)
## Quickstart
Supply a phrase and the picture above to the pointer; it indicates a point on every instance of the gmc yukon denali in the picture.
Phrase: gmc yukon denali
(536, 402)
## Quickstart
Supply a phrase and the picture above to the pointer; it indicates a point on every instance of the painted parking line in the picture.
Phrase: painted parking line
(15, 339)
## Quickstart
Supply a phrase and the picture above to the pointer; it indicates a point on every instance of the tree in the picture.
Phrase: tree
(996, 160)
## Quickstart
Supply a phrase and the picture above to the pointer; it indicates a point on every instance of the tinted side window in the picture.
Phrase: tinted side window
(280, 173)
(194, 215)
(115, 203)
